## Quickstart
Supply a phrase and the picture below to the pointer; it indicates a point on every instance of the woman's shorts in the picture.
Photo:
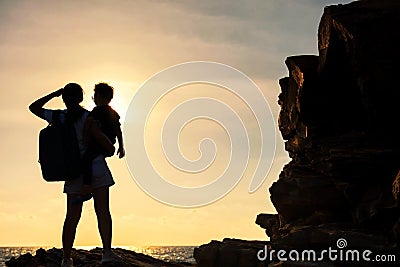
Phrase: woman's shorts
(101, 177)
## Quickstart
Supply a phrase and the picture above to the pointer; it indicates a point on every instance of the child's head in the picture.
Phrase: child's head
(103, 93)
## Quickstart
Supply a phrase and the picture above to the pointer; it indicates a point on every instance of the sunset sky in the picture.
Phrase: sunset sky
(47, 44)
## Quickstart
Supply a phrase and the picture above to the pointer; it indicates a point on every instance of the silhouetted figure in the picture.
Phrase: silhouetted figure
(107, 120)
(72, 95)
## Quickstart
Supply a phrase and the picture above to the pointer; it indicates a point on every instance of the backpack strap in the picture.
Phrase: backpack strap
(55, 117)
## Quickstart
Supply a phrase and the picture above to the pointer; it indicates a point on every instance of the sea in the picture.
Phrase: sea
(165, 253)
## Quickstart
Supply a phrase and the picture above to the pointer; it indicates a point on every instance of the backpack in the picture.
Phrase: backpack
(59, 155)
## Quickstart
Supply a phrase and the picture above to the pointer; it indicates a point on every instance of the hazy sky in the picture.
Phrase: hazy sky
(46, 44)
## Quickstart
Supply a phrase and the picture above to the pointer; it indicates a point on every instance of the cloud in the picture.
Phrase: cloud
(255, 37)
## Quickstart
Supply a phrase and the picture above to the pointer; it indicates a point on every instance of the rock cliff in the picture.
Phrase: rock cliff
(339, 115)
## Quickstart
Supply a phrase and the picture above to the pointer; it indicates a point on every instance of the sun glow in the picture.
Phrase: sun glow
(123, 93)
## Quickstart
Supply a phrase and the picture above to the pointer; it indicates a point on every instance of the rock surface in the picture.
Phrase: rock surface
(92, 258)
(230, 253)
(339, 116)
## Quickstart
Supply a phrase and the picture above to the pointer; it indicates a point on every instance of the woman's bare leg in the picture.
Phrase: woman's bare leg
(70, 223)
(104, 221)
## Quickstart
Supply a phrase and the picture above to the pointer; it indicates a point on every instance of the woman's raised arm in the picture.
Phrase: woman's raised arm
(37, 106)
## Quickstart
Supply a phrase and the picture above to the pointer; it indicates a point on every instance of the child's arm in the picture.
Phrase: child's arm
(121, 150)
(101, 139)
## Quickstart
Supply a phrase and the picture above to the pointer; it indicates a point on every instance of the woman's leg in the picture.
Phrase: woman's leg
(71, 222)
(104, 221)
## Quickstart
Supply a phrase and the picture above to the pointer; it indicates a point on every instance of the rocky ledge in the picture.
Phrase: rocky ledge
(92, 258)
(339, 114)
(230, 253)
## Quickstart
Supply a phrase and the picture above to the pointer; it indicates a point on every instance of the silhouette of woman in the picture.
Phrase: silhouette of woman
(72, 95)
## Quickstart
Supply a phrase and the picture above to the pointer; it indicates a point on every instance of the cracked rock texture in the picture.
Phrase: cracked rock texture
(339, 119)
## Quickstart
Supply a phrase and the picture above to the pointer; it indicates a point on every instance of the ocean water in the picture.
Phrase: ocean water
(165, 253)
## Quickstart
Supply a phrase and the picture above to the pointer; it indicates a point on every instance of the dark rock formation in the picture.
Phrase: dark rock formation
(339, 116)
(230, 253)
(92, 258)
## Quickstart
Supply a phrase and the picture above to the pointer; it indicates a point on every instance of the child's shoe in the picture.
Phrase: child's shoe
(109, 257)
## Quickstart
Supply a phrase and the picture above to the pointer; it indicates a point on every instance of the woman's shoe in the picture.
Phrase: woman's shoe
(111, 257)
(67, 262)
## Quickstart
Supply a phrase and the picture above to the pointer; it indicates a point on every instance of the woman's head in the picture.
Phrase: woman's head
(72, 95)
